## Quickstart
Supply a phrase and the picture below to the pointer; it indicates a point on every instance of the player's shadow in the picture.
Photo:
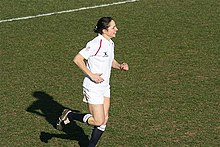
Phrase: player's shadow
(47, 107)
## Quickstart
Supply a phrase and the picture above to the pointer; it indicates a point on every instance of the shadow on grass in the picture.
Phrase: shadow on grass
(48, 108)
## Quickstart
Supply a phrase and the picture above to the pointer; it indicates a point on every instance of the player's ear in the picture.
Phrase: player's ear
(104, 31)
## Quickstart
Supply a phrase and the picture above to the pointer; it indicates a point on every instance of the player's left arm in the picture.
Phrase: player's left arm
(116, 65)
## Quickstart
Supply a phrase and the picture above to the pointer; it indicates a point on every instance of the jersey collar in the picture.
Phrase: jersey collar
(103, 38)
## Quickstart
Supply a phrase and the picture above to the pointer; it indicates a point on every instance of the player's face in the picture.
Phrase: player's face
(110, 32)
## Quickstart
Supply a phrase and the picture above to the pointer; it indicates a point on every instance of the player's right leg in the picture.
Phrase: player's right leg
(95, 100)
(68, 116)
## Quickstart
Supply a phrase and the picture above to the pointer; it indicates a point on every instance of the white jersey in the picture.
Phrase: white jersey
(99, 54)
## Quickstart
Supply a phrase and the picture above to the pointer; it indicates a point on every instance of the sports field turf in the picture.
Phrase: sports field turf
(169, 97)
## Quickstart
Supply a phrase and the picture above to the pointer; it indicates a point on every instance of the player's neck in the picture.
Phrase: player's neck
(106, 37)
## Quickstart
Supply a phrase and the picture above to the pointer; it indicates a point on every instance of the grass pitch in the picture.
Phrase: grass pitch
(169, 97)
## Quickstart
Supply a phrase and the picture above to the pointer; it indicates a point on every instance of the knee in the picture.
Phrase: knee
(99, 122)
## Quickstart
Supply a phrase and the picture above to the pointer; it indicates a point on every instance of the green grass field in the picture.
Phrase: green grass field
(169, 97)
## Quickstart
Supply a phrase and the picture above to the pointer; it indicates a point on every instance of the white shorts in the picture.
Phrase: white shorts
(94, 96)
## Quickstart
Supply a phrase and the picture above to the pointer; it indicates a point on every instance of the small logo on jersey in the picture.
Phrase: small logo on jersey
(105, 54)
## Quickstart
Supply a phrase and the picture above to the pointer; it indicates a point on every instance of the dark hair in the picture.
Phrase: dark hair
(103, 23)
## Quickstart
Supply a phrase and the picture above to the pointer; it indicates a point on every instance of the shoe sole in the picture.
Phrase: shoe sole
(65, 112)
(62, 118)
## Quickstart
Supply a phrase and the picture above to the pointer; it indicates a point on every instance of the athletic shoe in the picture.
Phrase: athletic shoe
(63, 119)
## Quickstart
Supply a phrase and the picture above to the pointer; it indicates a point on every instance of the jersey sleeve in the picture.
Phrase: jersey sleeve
(89, 50)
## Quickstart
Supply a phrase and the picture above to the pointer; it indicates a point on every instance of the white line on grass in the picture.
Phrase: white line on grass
(67, 11)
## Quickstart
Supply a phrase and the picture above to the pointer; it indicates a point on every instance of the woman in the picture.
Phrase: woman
(99, 56)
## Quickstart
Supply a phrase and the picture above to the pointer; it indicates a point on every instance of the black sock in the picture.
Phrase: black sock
(96, 135)
(79, 117)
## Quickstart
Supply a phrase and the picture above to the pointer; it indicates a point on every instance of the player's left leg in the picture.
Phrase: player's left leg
(98, 130)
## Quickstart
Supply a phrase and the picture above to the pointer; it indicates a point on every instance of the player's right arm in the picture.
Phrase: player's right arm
(79, 61)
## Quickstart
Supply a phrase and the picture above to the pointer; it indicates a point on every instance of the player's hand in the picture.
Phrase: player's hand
(97, 78)
(124, 66)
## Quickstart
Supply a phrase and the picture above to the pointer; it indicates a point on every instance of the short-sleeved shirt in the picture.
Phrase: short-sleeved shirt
(99, 54)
